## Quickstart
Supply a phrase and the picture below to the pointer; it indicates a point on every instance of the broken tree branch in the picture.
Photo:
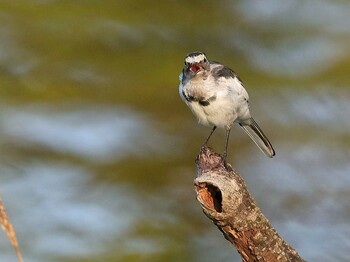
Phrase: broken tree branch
(225, 200)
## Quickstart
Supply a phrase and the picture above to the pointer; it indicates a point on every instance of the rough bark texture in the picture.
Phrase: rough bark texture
(225, 199)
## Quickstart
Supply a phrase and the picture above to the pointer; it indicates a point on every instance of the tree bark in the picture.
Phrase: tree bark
(225, 200)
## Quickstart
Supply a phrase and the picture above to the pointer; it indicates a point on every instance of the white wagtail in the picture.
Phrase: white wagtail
(216, 96)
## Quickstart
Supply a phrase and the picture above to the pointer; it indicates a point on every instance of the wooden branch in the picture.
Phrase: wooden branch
(225, 199)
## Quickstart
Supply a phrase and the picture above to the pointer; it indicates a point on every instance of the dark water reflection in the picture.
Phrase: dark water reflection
(98, 149)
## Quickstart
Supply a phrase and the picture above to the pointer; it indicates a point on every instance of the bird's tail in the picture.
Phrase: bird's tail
(256, 134)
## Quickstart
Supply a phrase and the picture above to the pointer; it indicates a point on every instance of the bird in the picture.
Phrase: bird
(217, 97)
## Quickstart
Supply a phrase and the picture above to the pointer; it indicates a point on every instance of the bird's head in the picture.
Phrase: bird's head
(196, 63)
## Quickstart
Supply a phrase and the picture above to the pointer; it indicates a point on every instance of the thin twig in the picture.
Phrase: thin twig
(8, 228)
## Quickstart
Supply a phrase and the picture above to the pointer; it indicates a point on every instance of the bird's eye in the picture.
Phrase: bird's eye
(186, 63)
(205, 60)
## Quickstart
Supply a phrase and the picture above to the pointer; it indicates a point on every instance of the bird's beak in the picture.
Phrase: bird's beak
(195, 68)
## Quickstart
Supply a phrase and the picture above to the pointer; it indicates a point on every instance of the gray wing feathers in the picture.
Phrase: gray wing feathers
(256, 134)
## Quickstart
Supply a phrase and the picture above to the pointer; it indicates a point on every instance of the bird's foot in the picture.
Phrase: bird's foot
(223, 157)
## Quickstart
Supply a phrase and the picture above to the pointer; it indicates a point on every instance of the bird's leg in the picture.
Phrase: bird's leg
(206, 141)
(228, 129)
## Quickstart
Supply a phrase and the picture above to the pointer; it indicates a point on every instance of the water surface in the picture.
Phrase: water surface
(98, 149)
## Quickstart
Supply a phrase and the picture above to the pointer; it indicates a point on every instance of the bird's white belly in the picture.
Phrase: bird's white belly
(217, 113)
(228, 104)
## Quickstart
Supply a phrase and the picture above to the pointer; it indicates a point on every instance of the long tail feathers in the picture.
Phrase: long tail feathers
(256, 134)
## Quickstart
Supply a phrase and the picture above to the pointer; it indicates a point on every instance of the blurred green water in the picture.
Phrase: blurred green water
(107, 56)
